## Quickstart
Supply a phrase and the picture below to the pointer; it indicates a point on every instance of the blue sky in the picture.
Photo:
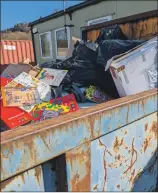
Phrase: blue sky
(13, 12)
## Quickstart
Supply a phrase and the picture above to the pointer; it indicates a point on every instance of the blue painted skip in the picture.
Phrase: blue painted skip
(21, 153)
(122, 155)
(31, 180)
(78, 168)
(41, 178)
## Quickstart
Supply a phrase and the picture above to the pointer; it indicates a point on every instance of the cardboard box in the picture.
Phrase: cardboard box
(130, 70)
(13, 70)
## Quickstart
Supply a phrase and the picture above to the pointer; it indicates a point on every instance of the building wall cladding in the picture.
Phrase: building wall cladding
(15, 51)
(117, 9)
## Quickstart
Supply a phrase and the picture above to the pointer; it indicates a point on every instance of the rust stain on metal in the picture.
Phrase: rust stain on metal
(121, 142)
(79, 157)
(29, 143)
(146, 144)
(22, 177)
(38, 174)
(10, 150)
(154, 128)
(134, 181)
(45, 143)
(152, 132)
(92, 120)
(132, 176)
(143, 102)
(126, 132)
(105, 171)
(119, 157)
(118, 185)
(74, 155)
(117, 143)
(146, 126)
(4, 184)
(80, 184)
(104, 162)
(95, 187)
(109, 152)
(132, 154)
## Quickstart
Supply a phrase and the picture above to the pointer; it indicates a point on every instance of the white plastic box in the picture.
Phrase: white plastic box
(130, 71)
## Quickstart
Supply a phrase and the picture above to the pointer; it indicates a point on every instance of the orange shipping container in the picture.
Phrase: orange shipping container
(15, 51)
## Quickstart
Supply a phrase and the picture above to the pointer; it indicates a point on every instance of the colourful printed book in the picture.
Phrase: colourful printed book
(94, 94)
(54, 108)
(14, 116)
(7, 82)
(27, 80)
(20, 96)
(52, 77)
(4, 82)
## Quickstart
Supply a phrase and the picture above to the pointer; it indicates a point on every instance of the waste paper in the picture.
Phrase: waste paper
(92, 73)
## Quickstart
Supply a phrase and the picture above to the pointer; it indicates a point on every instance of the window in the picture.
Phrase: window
(99, 20)
(62, 42)
(46, 45)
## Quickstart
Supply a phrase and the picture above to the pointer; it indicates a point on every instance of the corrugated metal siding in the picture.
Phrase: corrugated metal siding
(14, 51)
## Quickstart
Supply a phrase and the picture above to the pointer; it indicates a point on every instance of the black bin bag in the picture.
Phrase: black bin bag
(85, 51)
(50, 64)
(81, 66)
(109, 48)
(79, 71)
(111, 33)
(105, 82)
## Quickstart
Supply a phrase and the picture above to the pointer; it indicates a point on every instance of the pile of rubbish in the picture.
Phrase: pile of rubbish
(109, 68)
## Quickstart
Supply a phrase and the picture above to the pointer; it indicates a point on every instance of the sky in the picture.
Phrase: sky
(13, 12)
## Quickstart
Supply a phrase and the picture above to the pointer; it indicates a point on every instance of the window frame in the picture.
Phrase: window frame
(68, 37)
(109, 17)
(51, 51)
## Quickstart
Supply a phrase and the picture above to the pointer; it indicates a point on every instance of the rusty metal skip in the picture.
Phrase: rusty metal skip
(108, 147)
